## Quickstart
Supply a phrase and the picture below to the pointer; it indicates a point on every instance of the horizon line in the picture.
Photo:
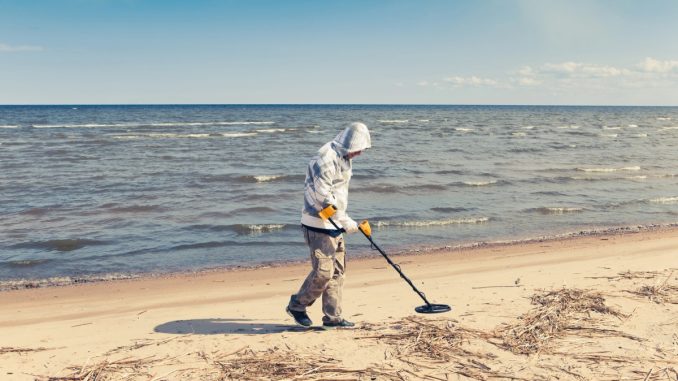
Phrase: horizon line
(333, 104)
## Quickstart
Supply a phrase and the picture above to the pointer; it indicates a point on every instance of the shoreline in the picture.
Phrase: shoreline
(615, 294)
(10, 285)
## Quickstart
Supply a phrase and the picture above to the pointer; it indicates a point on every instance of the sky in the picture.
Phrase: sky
(570, 52)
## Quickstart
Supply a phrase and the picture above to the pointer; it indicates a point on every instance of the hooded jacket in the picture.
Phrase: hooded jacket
(328, 176)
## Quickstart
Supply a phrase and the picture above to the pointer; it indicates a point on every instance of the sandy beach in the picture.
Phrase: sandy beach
(585, 308)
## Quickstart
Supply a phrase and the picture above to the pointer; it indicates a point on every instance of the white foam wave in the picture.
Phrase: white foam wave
(663, 118)
(609, 135)
(634, 168)
(669, 128)
(462, 129)
(393, 121)
(423, 120)
(237, 134)
(159, 124)
(611, 128)
(641, 177)
(479, 183)
(560, 210)
(518, 134)
(571, 127)
(265, 228)
(642, 135)
(633, 126)
(425, 223)
(527, 127)
(272, 130)
(265, 178)
(664, 200)
(185, 136)
(9, 126)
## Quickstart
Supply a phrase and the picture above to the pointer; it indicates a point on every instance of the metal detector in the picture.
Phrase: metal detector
(364, 227)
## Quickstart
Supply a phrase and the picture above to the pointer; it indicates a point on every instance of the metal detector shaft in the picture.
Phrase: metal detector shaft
(390, 262)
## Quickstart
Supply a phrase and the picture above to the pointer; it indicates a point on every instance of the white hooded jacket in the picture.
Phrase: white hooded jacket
(328, 176)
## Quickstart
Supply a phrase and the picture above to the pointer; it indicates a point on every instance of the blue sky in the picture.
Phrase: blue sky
(350, 51)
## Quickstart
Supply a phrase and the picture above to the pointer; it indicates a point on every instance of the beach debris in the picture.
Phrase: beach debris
(557, 312)
(436, 348)
(109, 370)
(4, 350)
(659, 293)
(628, 275)
(568, 334)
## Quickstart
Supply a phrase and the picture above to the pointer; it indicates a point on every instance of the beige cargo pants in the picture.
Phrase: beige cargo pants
(328, 259)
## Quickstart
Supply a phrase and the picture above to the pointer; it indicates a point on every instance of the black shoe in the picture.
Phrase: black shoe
(300, 317)
(343, 323)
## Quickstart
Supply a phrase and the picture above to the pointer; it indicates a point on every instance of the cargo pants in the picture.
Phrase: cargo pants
(326, 279)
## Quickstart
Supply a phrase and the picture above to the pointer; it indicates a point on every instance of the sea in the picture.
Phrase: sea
(91, 192)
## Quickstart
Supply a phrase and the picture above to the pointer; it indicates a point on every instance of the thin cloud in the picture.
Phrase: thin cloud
(472, 81)
(651, 65)
(570, 75)
(6, 48)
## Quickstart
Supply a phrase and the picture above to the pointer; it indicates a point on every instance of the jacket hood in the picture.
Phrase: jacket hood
(356, 137)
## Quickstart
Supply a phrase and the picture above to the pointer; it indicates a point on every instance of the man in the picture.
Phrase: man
(327, 178)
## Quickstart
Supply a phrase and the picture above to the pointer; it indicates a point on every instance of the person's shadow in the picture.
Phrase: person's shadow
(224, 326)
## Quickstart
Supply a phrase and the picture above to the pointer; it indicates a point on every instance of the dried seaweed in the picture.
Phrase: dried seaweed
(109, 370)
(554, 314)
(440, 343)
(659, 293)
(4, 350)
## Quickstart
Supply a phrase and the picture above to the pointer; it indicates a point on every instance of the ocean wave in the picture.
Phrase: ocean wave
(427, 223)
(464, 129)
(8, 126)
(393, 121)
(633, 126)
(664, 200)
(641, 135)
(479, 183)
(244, 229)
(266, 178)
(59, 244)
(273, 130)
(388, 188)
(254, 209)
(113, 208)
(258, 228)
(673, 128)
(158, 124)
(216, 244)
(611, 128)
(443, 209)
(24, 263)
(604, 170)
(527, 127)
(248, 179)
(526, 150)
(518, 134)
(609, 135)
(555, 210)
(186, 136)
(664, 118)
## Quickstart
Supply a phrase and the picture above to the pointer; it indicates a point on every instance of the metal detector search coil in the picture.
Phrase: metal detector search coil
(364, 227)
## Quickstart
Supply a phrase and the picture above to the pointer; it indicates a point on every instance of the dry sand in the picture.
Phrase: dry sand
(589, 308)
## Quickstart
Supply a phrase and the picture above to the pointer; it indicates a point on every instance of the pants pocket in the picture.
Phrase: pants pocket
(325, 266)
